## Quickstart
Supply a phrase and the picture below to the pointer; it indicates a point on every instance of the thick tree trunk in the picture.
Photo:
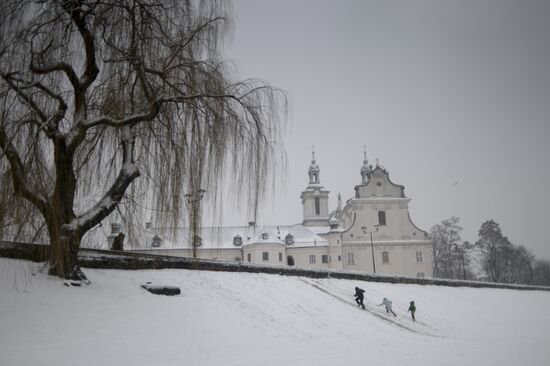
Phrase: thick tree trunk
(64, 247)
(64, 258)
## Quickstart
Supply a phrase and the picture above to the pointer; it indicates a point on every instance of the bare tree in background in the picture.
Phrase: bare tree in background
(95, 93)
(502, 260)
(451, 256)
(541, 272)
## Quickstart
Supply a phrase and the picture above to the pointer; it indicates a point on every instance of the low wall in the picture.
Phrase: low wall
(108, 259)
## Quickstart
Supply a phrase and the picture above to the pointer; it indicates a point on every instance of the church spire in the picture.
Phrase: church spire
(314, 170)
(365, 169)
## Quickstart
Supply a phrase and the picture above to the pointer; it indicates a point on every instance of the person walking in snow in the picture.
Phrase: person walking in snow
(387, 303)
(359, 297)
(412, 309)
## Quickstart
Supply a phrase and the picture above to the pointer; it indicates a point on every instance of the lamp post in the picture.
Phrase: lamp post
(364, 228)
(193, 200)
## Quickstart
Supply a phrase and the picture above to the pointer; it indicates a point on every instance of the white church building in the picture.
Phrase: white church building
(370, 232)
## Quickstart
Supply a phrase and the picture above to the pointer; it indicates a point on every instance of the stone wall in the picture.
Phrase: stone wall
(106, 259)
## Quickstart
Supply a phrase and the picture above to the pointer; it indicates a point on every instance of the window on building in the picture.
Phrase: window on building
(157, 241)
(324, 258)
(237, 259)
(289, 239)
(265, 256)
(419, 257)
(420, 274)
(339, 258)
(249, 257)
(312, 259)
(317, 206)
(290, 260)
(385, 257)
(351, 258)
(381, 217)
(280, 257)
(237, 240)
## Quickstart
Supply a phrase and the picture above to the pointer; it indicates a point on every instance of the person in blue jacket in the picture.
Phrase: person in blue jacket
(387, 303)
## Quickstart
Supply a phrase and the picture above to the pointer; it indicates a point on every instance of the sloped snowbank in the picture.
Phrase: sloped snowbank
(224, 318)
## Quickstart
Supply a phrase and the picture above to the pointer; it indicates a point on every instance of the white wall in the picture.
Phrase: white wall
(256, 253)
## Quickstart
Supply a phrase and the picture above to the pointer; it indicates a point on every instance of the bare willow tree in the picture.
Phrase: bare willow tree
(96, 93)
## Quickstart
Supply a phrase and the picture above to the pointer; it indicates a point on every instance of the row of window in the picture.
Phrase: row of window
(312, 258)
(326, 259)
(385, 257)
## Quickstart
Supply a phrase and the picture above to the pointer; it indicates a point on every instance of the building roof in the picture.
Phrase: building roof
(222, 237)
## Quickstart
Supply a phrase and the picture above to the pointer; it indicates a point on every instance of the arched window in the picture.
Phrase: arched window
(381, 218)
(317, 206)
(385, 257)
(237, 240)
(290, 260)
(157, 241)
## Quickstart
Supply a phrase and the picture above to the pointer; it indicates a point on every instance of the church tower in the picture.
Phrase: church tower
(315, 198)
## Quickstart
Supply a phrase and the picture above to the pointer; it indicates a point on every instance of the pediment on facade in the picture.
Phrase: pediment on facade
(379, 185)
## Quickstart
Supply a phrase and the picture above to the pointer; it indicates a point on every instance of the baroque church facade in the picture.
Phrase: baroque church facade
(370, 232)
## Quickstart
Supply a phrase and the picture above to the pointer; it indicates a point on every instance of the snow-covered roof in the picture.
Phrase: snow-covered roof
(223, 237)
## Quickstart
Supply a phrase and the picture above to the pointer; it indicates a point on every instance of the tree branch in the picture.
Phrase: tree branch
(60, 66)
(107, 204)
(20, 183)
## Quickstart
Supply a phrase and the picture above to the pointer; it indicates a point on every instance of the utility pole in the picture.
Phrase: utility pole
(364, 228)
(372, 250)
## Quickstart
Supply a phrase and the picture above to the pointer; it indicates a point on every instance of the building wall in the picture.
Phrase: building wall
(302, 255)
(401, 255)
(256, 253)
(308, 205)
(226, 254)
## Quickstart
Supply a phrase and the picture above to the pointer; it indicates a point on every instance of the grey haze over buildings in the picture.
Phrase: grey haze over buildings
(453, 97)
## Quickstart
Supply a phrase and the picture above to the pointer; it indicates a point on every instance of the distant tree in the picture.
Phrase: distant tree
(95, 93)
(503, 261)
(541, 272)
(496, 249)
(520, 265)
(451, 256)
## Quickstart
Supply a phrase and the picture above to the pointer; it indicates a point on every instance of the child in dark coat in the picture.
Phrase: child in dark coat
(359, 296)
(412, 309)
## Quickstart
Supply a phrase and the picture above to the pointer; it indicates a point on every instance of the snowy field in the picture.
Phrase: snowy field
(224, 318)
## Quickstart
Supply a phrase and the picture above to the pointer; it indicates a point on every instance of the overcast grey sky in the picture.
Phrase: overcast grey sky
(440, 91)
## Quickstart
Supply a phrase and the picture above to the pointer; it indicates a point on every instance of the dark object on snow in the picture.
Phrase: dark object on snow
(118, 242)
(162, 290)
(77, 278)
(412, 309)
(359, 297)
(74, 283)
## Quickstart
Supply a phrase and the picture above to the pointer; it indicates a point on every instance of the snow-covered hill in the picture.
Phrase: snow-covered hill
(224, 318)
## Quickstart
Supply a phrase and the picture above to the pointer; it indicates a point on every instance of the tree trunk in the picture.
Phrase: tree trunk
(64, 257)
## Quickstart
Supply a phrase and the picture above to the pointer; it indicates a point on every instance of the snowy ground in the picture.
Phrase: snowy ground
(224, 318)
